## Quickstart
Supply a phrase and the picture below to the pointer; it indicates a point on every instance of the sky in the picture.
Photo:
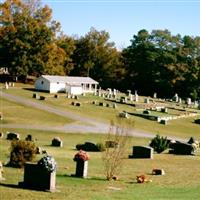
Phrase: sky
(124, 18)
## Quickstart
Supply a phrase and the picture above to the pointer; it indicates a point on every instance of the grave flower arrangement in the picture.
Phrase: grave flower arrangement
(81, 156)
(48, 163)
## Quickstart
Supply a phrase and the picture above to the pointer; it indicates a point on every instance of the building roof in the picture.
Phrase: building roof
(70, 79)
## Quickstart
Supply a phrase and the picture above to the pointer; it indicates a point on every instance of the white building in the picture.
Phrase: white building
(69, 84)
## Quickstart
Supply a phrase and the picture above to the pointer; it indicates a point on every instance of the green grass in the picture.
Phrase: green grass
(180, 182)
(182, 128)
(16, 113)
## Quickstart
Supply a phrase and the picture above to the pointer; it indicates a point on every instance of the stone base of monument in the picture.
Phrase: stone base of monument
(81, 169)
(37, 178)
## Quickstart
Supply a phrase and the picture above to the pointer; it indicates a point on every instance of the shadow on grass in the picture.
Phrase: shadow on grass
(30, 89)
(10, 185)
(22, 186)
(75, 177)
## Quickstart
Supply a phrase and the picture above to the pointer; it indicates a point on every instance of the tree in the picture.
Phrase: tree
(95, 56)
(163, 63)
(113, 157)
(68, 45)
(26, 33)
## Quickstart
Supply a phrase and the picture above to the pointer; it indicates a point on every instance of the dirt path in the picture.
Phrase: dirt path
(90, 125)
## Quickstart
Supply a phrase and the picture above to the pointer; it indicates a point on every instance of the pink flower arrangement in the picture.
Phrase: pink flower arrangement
(81, 156)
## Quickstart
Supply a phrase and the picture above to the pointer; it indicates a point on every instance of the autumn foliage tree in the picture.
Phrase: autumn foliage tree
(27, 35)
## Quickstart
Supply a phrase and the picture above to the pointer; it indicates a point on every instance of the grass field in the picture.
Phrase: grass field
(180, 182)
(182, 128)
(16, 113)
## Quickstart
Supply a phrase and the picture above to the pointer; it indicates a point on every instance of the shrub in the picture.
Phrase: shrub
(100, 147)
(159, 144)
(89, 146)
(21, 152)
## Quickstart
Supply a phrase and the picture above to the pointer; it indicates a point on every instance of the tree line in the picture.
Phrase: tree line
(32, 43)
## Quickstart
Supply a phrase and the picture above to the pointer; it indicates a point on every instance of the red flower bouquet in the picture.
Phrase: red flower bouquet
(81, 156)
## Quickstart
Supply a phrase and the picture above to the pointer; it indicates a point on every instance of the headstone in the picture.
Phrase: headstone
(175, 98)
(114, 92)
(131, 97)
(29, 138)
(128, 93)
(12, 136)
(81, 168)
(164, 110)
(196, 104)
(158, 172)
(81, 159)
(56, 96)
(38, 150)
(181, 148)
(6, 85)
(123, 115)
(180, 100)
(42, 98)
(188, 101)
(1, 116)
(101, 104)
(136, 98)
(35, 95)
(78, 104)
(109, 90)
(123, 100)
(37, 178)
(1, 134)
(114, 105)
(148, 112)
(155, 95)
(108, 105)
(99, 92)
(164, 121)
(1, 172)
(142, 152)
(146, 100)
(56, 142)
(94, 102)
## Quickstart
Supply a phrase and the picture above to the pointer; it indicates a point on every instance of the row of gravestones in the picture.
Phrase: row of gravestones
(57, 142)
(36, 96)
(175, 147)
(114, 105)
(189, 102)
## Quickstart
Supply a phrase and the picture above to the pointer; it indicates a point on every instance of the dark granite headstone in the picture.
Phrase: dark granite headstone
(142, 152)
(37, 178)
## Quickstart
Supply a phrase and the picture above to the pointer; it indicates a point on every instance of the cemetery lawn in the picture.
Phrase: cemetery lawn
(180, 128)
(181, 180)
(15, 113)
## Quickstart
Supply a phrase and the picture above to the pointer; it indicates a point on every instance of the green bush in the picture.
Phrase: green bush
(89, 146)
(159, 144)
(21, 152)
(101, 147)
